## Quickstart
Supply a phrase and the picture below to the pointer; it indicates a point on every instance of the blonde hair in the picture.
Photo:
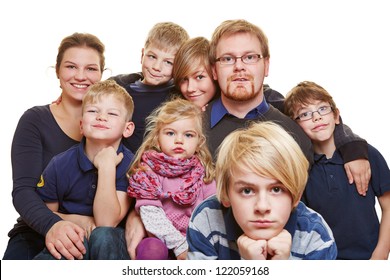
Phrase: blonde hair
(169, 112)
(266, 149)
(166, 36)
(305, 93)
(109, 87)
(231, 27)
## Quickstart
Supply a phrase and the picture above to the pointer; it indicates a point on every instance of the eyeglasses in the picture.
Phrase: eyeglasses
(250, 58)
(322, 111)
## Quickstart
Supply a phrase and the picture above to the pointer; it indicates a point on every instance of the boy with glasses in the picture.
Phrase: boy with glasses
(352, 217)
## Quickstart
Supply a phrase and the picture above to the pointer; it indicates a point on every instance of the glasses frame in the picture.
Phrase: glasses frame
(312, 113)
(234, 58)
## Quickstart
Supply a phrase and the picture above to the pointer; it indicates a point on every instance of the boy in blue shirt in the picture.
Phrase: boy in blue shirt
(352, 217)
(261, 173)
(154, 84)
(87, 184)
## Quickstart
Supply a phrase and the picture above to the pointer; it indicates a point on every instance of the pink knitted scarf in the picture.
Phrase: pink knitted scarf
(145, 183)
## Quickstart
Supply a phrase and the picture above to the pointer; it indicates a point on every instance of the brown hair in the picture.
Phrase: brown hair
(303, 94)
(192, 54)
(230, 27)
(81, 40)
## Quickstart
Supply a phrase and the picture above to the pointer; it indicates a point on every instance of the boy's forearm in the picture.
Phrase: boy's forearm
(106, 206)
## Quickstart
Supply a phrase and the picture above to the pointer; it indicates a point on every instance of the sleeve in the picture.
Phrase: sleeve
(350, 145)
(157, 223)
(199, 246)
(27, 165)
(47, 187)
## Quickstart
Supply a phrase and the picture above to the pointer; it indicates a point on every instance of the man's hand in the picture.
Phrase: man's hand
(65, 238)
(359, 171)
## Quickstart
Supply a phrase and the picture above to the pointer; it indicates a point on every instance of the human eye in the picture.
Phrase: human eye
(92, 69)
(277, 189)
(151, 56)
(189, 135)
(227, 59)
(169, 63)
(246, 191)
(305, 115)
(91, 110)
(200, 77)
(250, 58)
(70, 66)
(113, 114)
(323, 109)
(169, 133)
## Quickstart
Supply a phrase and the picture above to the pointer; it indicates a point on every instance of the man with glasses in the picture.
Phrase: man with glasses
(240, 61)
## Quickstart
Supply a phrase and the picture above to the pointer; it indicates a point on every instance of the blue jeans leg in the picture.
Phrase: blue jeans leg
(24, 246)
(108, 243)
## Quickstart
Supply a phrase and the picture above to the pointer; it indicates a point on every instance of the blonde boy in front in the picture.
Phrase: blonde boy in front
(261, 173)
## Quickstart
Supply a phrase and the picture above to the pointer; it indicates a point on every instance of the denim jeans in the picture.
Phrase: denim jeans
(24, 246)
(108, 243)
(105, 243)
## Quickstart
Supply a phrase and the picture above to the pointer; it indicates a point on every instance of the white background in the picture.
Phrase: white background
(341, 45)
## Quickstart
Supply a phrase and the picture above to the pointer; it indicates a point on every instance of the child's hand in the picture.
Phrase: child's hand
(251, 249)
(279, 247)
(182, 256)
(107, 156)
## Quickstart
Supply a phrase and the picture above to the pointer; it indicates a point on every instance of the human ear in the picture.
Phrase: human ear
(266, 66)
(129, 129)
(226, 203)
(337, 116)
(142, 54)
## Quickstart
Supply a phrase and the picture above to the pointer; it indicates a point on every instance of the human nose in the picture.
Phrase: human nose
(238, 63)
(157, 65)
(262, 204)
(101, 116)
(80, 74)
(178, 138)
(316, 116)
(191, 87)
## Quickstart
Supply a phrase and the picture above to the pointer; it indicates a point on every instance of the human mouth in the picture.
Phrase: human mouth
(80, 86)
(178, 150)
(262, 223)
(100, 126)
(320, 127)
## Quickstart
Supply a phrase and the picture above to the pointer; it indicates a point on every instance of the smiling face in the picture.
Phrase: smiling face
(261, 206)
(198, 87)
(179, 139)
(157, 65)
(319, 128)
(106, 120)
(79, 69)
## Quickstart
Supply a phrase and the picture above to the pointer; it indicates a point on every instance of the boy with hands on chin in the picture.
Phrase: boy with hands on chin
(256, 214)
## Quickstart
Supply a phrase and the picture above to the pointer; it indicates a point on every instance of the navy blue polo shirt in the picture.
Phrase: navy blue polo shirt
(218, 111)
(352, 217)
(70, 179)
